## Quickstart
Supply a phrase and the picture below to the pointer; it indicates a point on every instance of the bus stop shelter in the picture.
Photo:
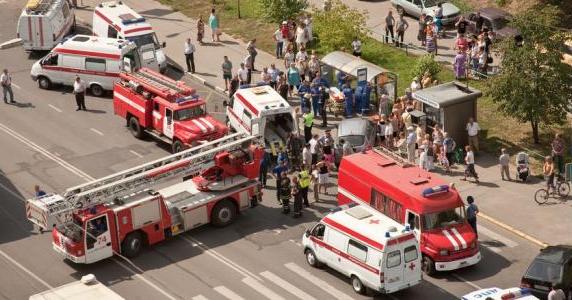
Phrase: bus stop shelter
(451, 105)
(381, 79)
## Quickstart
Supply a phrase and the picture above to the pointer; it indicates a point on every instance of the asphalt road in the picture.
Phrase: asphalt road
(46, 142)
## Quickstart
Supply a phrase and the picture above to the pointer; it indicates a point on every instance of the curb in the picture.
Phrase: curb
(514, 230)
(11, 43)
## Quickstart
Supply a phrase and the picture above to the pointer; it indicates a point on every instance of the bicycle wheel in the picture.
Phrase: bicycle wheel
(563, 189)
(541, 196)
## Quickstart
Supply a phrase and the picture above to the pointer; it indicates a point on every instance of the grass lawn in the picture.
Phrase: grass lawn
(499, 131)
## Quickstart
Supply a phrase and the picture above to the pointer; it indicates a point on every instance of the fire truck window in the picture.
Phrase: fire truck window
(111, 32)
(393, 259)
(95, 228)
(318, 231)
(410, 254)
(169, 115)
(95, 64)
(357, 250)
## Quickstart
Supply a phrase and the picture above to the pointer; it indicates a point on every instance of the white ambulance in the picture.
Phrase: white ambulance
(262, 111)
(117, 20)
(376, 252)
(96, 60)
(495, 293)
(44, 23)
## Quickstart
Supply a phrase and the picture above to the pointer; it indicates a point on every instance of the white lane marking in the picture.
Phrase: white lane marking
(451, 239)
(96, 131)
(86, 177)
(495, 236)
(228, 294)
(296, 242)
(17, 264)
(286, 285)
(259, 287)
(220, 257)
(459, 237)
(466, 281)
(200, 297)
(135, 153)
(55, 108)
(16, 86)
(317, 281)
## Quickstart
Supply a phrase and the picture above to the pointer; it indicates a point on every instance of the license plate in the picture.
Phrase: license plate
(541, 287)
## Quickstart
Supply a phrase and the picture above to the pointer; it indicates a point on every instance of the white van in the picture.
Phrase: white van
(44, 23)
(376, 252)
(117, 20)
(262, 111)
(98, 61)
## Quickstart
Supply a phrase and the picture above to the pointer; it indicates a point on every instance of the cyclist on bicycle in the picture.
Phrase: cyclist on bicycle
(548, 170)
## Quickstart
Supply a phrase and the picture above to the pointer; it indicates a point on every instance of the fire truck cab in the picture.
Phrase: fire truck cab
(376, 252)
(412, 196)
(117, 20)
(166, 109)
(262, 111)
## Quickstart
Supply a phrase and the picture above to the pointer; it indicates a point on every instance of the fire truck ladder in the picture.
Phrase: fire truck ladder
(399, 160)
(185, 163)
(156, 81)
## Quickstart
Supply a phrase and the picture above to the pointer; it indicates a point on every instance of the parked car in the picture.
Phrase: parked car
(359, 133)
(495, 19)
(415, 8)
(552, 266)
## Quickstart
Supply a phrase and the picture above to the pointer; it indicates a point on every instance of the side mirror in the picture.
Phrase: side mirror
(307, 233)
(164, 44)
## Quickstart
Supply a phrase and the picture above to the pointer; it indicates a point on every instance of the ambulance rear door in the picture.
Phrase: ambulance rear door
(393, 267)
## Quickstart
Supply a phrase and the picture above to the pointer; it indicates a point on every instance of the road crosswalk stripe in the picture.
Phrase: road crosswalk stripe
(228, 294)
(259, 287)
(317, 281)
(286, 285)
(200, 297)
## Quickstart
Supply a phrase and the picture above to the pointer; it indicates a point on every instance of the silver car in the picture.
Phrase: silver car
(416, 7)
(359, 133)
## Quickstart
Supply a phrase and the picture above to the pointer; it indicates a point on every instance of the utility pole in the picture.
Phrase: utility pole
(238, 7)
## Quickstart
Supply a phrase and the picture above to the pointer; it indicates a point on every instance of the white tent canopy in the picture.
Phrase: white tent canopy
(349, 64)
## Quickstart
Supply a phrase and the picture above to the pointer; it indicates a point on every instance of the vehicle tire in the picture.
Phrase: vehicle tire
(400, 11)
(223, 213)
(132, 244)
(358, 286)
(564, 189)
(311, 258)
(97, 90)
(541, 196)
(428, 266)
(135, 128)
(44, 83)
(177, 146)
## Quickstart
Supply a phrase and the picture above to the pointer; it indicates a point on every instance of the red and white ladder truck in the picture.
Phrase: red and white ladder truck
(165, 109)
(120, 213)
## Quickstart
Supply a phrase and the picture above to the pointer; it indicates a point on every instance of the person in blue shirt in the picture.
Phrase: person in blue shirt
(358, 95)
(319, 81)
(264, 165)
(349, 96)
(365, 98)
(472, 212)
(303, 90)
(316, 94)
(39, 193)
(341, 77)
(282, 160)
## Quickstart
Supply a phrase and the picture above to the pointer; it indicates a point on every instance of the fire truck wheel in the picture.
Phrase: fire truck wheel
(135, 128)
(44, 83)
(428, 266)
(358, 285)
(223, 213)
(97, 90)
(178, 146)
(311, 258)
(132, 244)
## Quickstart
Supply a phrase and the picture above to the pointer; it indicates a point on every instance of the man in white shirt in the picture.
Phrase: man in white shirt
(473, 132)
(279, 42)
(356, 46)
(556, 293)
(314, 149)
(79, 92)
(248, 64)
(410, 142)
(307, 157)
(190, 55)
(6, 80)
(242, 74)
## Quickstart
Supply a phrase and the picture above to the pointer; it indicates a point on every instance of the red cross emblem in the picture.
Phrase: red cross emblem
(376, 221)
(412, 266)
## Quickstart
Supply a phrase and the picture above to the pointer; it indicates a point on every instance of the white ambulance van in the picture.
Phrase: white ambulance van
(262, 111)
(118, 21)
(376, 252)
(88, 288)
(495, 293)
(44, 23)
(96, 60)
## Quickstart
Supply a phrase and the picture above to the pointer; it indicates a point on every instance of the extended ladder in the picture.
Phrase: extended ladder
(158, 84)
(381, 150)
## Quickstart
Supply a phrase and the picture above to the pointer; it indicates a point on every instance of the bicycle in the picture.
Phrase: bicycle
(560, 187)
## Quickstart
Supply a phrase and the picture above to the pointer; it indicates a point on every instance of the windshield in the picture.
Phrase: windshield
(430, 3)
(190, 113)
(544, 271)
(444, 218)
(145, 39)
(354, 140)
(72, 230)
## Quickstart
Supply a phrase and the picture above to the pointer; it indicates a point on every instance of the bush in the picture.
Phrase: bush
(426, 63)
(337, 27)
(280, 10)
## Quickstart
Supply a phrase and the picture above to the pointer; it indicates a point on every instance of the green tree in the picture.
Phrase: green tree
(426, 63)
(534, 85)
(337, 27)
(280, 10)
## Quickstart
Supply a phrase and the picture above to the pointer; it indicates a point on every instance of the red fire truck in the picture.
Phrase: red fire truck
(165, 109)
(122, 212)
(415, 197)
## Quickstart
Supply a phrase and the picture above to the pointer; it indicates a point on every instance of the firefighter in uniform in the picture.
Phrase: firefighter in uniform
(297, 193)
(294, 150)
(304, 178)
(285, 192)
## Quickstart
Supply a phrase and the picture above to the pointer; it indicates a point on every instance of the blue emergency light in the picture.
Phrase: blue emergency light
(182, 100)
(432, 191)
